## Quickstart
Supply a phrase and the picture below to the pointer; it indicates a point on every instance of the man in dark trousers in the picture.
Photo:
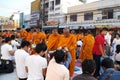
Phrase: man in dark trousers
(98, 50)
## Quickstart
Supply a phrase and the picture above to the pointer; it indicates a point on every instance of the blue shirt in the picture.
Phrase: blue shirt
(114, 76)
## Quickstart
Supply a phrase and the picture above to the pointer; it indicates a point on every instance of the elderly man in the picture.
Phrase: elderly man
(68, 40)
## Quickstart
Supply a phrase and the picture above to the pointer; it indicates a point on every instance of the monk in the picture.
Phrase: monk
(80, 36)
(39, 37)
(0, 37)
(23, 34)
(53, 40)
(88, 43)
(30, 34)
(47, 35)
(74, 34)
(68, 40)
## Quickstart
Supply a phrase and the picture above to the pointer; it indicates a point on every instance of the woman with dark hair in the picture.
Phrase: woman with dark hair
(116, 41)
(117, 55)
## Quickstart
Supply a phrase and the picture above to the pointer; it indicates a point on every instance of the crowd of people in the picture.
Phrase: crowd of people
(40, 56)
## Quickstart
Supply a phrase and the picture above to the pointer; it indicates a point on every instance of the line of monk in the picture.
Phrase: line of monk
(56, 40)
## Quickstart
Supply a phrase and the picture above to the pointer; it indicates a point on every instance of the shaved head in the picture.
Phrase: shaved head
(54, 31)
(66, 31)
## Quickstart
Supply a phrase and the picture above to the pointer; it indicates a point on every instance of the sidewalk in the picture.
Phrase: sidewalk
(13, 76)
(10, 76)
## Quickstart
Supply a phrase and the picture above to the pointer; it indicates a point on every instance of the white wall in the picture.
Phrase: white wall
(62, 11)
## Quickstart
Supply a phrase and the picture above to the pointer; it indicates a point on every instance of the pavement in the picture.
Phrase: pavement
(10, 76)
(13, 76)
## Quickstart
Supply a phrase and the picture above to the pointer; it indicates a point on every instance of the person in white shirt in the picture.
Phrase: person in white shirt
(117, 58)
(7, 52)
(56, 70)
(79, 45)
(6, 49)
(108, 38)
(116, 41)
(117, 55)
(20, 57)
(14, 43)
(36, 64)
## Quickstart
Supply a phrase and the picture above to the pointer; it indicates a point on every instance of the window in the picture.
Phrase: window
(52, 5)
(110, 14)
(46, 5)
(107, 14)
(65, 18)
(57, 8)
(57, 2)
(56, 14)
(88, 16)
(73, 18)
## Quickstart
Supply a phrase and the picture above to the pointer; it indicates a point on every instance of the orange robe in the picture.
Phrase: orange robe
(0, 38)
(70, 43)
(80, 36)
(47, 36)
(39, 37)
(29, 36)
(53, 42)
(86, 51)
(23, 34)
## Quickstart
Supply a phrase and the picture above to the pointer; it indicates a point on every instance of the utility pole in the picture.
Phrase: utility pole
(42, 14)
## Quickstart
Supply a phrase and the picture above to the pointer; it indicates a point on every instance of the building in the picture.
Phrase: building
(44, 11)
(7, 24)
(27, 21)
(103, 13)
(35, 13)
(58, 10)
(21, 20)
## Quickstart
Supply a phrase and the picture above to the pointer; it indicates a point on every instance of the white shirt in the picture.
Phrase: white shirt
(108, 38)
(117, 57)
(35, 64)
(116, 42)
(15, 44)
(5, 51)
(56, 71)
(20, 58)
(79, 43)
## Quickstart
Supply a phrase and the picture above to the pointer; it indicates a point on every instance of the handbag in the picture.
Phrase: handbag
(6, 66)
